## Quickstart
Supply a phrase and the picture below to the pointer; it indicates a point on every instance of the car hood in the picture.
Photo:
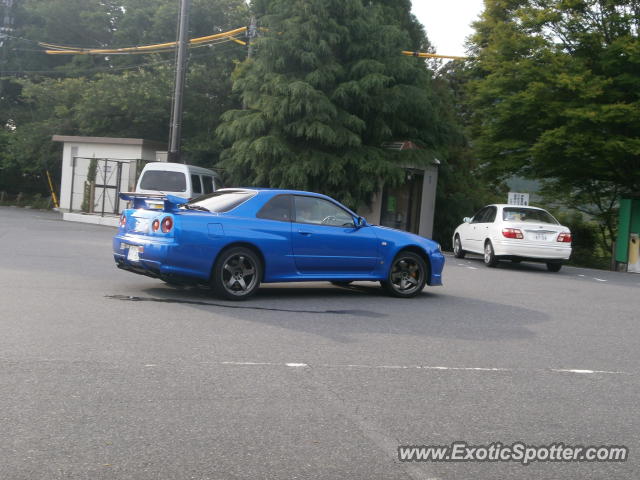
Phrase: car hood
(400, 236)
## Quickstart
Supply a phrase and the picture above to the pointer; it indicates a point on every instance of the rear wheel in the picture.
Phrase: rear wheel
(490, 259)
(554, 266)
(236, 274)
(458, 252)
(407, 275)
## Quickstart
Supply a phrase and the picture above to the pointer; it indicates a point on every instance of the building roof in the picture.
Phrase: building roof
(111, 140)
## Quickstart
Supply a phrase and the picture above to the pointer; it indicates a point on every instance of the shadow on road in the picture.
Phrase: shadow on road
(342, 314)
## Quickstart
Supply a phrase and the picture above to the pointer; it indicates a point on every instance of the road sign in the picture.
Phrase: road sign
(516, 198)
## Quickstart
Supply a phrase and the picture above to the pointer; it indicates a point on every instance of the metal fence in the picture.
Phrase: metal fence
(97, 182)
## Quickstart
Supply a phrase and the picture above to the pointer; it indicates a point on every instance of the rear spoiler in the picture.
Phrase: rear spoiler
(171, 202)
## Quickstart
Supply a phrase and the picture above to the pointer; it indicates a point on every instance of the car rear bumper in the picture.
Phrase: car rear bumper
(555, 251)
(153, 260)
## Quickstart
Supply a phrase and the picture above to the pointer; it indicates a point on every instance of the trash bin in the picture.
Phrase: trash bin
(634, 253)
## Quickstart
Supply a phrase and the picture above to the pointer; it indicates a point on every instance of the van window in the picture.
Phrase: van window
(207, 183)
(164, 181)
(195, 184)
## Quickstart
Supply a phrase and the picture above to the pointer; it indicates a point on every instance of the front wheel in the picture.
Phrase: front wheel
(407, 275)
(458, 252)
(490, 259)
(236, 274)
(554, 266)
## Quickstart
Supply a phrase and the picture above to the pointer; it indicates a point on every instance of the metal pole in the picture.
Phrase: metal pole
(251, 34)
(104, 187)
(181, 69)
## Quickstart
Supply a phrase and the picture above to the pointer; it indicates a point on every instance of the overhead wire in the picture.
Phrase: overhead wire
(54, 49)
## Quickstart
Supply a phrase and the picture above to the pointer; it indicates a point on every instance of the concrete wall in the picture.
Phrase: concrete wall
(428, 207)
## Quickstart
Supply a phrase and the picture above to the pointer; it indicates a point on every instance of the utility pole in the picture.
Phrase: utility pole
(175, 130)
(6, 27)
(252, 32)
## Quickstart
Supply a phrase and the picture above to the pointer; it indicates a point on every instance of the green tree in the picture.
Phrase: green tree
(116, 95)
(326, 88)
(556, 96)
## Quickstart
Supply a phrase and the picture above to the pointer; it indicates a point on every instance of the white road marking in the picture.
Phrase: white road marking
(599, 279)
(151, 365)
(472, 268)
(580, 275)
(424, 367)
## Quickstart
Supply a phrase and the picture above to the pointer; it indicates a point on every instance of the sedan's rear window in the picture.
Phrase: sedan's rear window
(530, 215)
(164, 181)
(221, 202)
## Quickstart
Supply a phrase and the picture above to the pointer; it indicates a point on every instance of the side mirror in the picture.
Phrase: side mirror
(466, 219)
(360, 222)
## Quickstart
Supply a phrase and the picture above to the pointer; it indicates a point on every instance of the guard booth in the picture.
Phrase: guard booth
(627, 252)
(409, 206)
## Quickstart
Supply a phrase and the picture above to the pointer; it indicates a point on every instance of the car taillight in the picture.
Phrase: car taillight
(512, 233)
(167, 224)
(155, 225)
(564, 237)
(123, 220)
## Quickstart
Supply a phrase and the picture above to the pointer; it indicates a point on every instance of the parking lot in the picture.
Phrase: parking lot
(106, 374)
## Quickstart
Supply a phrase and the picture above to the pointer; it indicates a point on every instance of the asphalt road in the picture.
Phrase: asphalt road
(109, 375)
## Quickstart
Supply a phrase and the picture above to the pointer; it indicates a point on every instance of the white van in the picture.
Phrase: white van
(187, 181)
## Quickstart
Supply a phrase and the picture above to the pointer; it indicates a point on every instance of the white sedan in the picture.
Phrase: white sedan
(515, 233)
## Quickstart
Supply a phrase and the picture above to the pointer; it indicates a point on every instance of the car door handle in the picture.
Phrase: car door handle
(305, 233)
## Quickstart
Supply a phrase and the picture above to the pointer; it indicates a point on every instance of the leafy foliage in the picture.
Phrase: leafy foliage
(325, 90)
(556, 97)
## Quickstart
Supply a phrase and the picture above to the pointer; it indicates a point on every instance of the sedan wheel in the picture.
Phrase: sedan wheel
(236, 274)
(407, 276)
(458, 252)
(490, 259)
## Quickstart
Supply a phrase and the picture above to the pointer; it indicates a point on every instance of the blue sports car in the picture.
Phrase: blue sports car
(236, 238)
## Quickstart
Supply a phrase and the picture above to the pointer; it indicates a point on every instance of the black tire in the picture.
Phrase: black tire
(407, 275)
(341, 284)
(554, 266)
(490, 259)
(458, 252)
(231, 271)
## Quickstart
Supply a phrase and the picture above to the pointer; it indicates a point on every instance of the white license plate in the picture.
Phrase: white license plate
(541, 236)
(133, 255)
(142, 225)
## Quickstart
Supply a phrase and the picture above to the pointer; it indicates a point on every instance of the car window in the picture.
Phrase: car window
(195, 184)
(319, 211)
(520, 214)
(278, 208)
(490, 215)
(207, 183)
(221, 202)
(164, 181)
(477, 218)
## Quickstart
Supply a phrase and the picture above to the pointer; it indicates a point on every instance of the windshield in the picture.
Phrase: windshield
(528, 215)
(221, 202)
(163, 181)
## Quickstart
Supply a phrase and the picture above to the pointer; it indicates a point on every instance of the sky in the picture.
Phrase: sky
(447, 22)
